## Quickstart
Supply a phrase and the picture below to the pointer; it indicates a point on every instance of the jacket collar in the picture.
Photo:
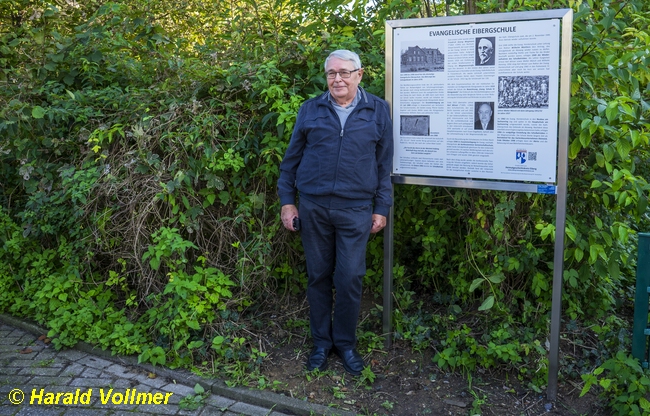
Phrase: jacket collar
(364, 96)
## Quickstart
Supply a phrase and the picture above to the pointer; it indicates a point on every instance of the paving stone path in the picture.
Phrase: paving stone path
(35, 379)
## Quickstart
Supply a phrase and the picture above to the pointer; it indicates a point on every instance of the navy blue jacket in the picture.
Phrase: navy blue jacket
(352, 164)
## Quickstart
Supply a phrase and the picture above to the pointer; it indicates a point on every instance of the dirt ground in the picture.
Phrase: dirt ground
(408, 383)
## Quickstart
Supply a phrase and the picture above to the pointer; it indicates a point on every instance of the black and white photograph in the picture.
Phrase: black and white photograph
(485, 51)
(414, 125)
(524, 92)
(417, 58)
(483, 116)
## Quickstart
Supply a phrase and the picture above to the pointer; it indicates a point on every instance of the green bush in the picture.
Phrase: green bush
(623, 384)
(139, 153)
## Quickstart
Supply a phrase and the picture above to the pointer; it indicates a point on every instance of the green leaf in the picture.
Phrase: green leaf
(154, 263)
(636, 138)
(627, 109)
(622, 234)
(623, 147)
(585, 138)
(612, 111)
(578, 254)
(497, 278)
(575, 148)
(217, 341)
(488, 303)
(593, 253)
(224, 197)
(573, 282)
(607, 21)
(608, 151)
(645, 404)
(606, 200)
(642, 205)
(39, 37)
(614, 270)
(96, 56)
(547, 230)
(57, 57)
(571, 232)
(475, 283)
(607, 237)
(198, 389)
(605, 383)
(195, 344)
(586, 387)
(38, 112)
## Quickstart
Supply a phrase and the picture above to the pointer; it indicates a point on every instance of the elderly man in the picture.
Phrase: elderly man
(484, 120)
(485, 52)
(339, 160)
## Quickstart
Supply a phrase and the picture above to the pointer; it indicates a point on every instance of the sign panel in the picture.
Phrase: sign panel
(477, 100)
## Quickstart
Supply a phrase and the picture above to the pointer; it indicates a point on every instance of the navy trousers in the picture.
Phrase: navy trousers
(334, 241)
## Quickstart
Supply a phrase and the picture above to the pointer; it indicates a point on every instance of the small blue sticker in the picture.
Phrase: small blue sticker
(547, 189)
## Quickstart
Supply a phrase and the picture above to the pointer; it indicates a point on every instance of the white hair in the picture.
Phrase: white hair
(345, 55)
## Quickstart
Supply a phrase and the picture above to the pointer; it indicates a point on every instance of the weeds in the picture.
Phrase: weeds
(194, 401)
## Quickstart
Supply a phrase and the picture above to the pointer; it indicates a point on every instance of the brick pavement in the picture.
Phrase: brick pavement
(75, 382)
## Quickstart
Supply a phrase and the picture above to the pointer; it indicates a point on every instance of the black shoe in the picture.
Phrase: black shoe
(352, 361)
(318, 359)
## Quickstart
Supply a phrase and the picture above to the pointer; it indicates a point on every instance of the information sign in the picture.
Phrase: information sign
(477, 101)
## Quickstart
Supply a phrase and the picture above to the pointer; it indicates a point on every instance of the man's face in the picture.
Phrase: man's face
(484, 49)
(343, 90)
(484, 113)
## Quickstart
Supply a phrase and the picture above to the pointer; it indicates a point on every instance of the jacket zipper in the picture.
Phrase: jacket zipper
(336, 177)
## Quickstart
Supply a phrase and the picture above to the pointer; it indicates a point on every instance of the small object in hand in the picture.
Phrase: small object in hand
(296, 224)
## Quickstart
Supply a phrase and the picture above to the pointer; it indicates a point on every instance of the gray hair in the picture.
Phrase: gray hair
(345, 55)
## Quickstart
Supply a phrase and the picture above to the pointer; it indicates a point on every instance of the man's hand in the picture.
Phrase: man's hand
(378, 222)
(288, 213)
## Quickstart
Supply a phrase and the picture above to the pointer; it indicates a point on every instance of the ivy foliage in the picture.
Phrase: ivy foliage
(139, 152)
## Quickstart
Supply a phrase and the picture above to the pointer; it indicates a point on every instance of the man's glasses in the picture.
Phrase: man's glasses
(343, 74)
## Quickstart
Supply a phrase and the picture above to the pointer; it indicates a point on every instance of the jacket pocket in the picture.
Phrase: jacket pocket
(308, 173)
(363, 177)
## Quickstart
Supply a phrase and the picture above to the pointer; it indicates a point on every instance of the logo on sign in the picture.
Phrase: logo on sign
(522, 156)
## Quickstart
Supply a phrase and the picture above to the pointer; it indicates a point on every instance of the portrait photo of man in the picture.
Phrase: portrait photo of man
(485, 51)
(483, 119)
